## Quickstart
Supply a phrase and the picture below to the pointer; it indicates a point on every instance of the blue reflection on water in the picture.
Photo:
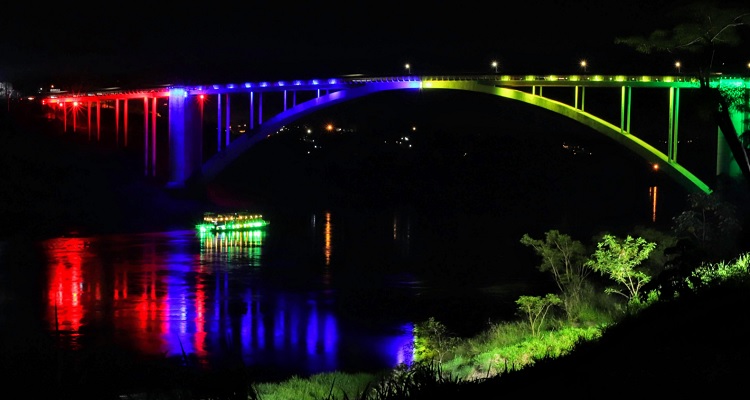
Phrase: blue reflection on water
(204, 298)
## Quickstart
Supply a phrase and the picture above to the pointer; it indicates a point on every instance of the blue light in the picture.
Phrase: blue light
(332, 81)
(230, 86)
(315, 82)
(248, 85)
(297, 83)
(264, 84)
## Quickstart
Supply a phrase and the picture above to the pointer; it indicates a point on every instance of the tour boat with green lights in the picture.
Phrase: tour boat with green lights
(237, 221)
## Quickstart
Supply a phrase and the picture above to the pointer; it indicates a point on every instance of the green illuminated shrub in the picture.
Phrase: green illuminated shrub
(432, 340)
(618, 259)
(534, 309)
(717, 273)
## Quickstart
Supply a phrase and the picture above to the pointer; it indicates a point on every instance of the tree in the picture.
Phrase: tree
(710, 224)
(618, 259)
(534, 309)
(432, 340)
(565, 259)
(700, 27)
(703, 28)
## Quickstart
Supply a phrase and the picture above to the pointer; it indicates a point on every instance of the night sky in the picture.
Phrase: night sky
(106, 44)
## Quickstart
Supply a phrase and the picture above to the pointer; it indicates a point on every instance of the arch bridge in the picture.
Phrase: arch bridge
(183, 137)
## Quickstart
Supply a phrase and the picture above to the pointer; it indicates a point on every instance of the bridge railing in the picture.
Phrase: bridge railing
(594, 80)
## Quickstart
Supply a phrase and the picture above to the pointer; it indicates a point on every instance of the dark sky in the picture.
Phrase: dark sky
(119, 43)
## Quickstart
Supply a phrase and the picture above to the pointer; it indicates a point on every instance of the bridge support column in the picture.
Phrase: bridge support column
(674, 112)
(626, 95)
(726, 164)
(186, 137)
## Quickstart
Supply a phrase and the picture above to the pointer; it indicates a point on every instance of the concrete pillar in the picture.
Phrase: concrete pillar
(725, 161)
(186, 137)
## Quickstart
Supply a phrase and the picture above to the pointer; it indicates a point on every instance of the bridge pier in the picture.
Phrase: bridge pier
(185, 137)
(739, 114)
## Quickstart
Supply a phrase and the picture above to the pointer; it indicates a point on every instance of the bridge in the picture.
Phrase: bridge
(182, 131)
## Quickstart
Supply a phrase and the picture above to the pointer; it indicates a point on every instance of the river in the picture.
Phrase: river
(361, 246)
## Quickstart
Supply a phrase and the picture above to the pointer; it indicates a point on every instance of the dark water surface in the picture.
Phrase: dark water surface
(327, 292)
(332, 290)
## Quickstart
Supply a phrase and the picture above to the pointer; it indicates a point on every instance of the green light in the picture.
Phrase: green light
(213, 222)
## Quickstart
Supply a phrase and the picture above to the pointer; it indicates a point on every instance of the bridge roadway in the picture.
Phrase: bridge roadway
(186, 109)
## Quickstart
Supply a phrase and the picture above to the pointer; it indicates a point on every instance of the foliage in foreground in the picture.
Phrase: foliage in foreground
(333, 385)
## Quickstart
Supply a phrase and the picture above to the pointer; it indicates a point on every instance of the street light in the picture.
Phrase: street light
(494, 65)
(408, 69)
(678, 65)
(583, 65)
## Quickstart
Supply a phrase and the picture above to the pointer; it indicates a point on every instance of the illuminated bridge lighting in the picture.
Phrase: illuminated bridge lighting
(216, 87)
(332, 81)
(230, 86)
(281, 83)
(264, 84)
(297, 83)
(315, 82)
(248, 85)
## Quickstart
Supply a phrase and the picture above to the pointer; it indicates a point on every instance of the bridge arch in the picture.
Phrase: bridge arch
(212, 167)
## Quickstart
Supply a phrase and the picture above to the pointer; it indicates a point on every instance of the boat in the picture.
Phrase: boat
(236, 221)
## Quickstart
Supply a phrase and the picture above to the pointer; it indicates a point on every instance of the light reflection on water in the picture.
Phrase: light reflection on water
(179, 292)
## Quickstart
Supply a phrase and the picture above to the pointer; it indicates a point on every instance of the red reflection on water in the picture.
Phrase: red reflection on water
(172, 293)
(66, 284)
